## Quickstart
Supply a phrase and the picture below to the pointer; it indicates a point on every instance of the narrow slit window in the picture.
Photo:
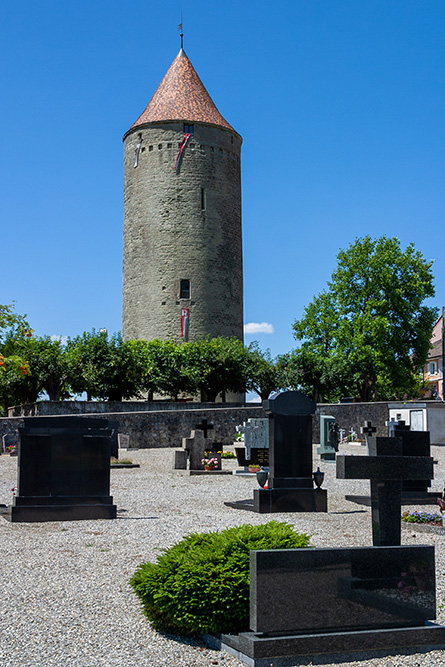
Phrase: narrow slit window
(189, 129)
(184, 289)
(203, 199)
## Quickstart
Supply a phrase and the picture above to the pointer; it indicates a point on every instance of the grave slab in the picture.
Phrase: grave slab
(63, 470)
(307, 602)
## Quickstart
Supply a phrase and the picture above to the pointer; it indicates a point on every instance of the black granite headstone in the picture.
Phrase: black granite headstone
(415, 443)
(290, 484)
(258, 456)
(306, 602)
(321, 590)
(63, 470)
(386, 467)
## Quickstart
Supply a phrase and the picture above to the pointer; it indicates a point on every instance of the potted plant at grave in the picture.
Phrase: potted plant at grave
(254, 468)
(210, 463)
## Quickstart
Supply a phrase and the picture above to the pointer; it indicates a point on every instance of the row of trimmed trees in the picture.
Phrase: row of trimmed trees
(367, 335)
(107, 368)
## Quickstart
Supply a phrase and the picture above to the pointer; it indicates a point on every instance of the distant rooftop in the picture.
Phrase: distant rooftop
(181, 96)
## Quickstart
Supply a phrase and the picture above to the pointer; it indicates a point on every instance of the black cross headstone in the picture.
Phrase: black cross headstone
(204, 426)
(367, 430)
(386, 467)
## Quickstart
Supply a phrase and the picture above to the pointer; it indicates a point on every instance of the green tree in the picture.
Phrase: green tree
(14, 369)
(49, 365)
(369, 332)
(264, 373)
(221, 365)
(99, 366)
(168, 369)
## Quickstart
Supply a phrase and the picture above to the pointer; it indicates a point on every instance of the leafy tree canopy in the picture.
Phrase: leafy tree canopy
(369, 332)
(14, 369)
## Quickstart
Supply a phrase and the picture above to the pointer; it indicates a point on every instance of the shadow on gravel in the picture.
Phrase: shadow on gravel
(348, 512)
(136, 518)
(184, 639)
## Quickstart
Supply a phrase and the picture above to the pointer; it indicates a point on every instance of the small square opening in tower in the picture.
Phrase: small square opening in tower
(184, 289)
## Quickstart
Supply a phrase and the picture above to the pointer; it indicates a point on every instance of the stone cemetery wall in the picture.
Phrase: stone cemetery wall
(47, 408)
(353, 415)
(166, 428)
(164, 424)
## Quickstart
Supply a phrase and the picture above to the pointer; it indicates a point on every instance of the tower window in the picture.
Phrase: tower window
(189, 129)
(203, 199)
(184, 289)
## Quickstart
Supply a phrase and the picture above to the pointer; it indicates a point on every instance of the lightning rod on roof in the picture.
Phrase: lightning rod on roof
(181, 33)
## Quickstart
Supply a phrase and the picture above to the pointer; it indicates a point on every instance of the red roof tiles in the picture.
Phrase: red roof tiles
(181, 95)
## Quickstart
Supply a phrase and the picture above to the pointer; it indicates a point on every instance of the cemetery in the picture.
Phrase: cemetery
(365, 590)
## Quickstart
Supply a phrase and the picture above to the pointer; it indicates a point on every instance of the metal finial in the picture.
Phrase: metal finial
(181, 34)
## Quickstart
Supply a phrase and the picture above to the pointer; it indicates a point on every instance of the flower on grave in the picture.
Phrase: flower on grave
(210, 462)
(422, 517)
(14, 489)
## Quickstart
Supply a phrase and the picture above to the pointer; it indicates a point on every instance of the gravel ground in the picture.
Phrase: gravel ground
(65, 598)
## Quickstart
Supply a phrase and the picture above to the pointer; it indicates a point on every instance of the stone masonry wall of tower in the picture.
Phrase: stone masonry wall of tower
(182, 224)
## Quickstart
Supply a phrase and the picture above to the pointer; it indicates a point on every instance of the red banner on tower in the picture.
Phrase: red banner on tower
(185, 314)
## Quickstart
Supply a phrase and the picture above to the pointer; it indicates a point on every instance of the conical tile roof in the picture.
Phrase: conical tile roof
(181, 95)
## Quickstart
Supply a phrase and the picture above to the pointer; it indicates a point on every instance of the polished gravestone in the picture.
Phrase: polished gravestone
(256, 445)
(329, 438)
(290, 483)
(414, 443)
(386, 467)
(306, 602)
(258, 456)
(63, 470)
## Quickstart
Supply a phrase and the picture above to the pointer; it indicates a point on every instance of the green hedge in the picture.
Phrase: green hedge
(201, 584)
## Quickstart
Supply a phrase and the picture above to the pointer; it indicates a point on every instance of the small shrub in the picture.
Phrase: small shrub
(228, 455)
(201, 584)
(422, 517)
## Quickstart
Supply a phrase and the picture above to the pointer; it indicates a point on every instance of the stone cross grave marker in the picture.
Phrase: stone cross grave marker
(386, 467)
(195, 446)
(391, 424)
(367, 430)
(415, 443)
(204, 426)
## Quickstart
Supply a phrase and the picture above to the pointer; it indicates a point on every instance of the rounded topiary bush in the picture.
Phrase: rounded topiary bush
(201, 584)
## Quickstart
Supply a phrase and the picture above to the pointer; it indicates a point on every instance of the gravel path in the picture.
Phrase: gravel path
(65, 598)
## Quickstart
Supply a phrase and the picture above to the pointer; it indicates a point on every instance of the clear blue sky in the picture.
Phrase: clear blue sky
(341, 105)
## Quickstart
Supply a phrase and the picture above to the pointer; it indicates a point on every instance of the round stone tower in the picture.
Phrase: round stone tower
(182, 259)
